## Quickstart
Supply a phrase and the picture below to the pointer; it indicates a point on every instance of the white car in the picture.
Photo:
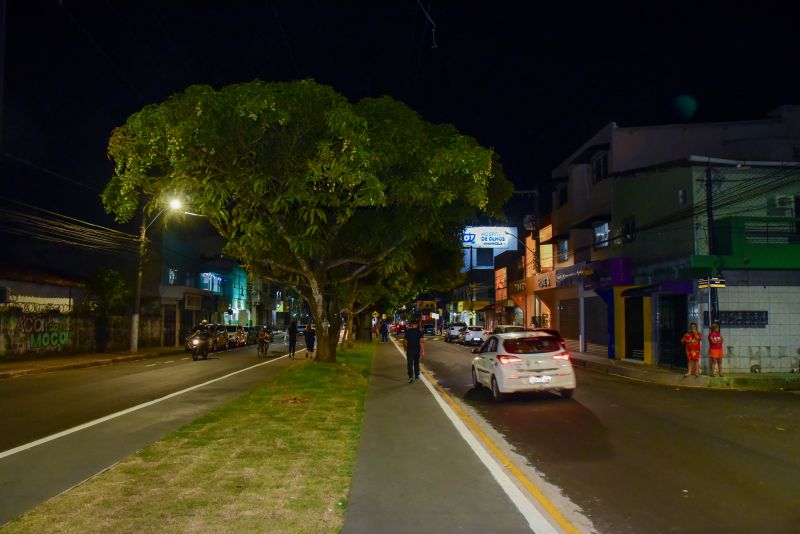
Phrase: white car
(453, 331)
(473, 335)
(523, 362)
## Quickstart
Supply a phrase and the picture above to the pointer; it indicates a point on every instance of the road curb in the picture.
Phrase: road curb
(761, 383)
(88, 363)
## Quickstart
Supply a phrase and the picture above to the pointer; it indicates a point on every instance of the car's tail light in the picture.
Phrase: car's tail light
(564, 356)
(506, 359)
(563, 345)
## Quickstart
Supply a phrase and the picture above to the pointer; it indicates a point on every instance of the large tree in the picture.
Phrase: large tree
(308, 189)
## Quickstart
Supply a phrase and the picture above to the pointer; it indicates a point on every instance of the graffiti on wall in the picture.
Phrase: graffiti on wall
(33, 332)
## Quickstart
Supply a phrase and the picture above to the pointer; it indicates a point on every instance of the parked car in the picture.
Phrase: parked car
(236, 336)
(504, 328)
(428, 329)
(473, 335)
(523, 361)
(252, 333)
(453, 331)
(219, 337)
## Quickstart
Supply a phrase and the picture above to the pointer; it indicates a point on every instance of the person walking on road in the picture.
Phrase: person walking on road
(715, 349)
(311, 338)
(691, 340)
(292, 338)
(414, 346)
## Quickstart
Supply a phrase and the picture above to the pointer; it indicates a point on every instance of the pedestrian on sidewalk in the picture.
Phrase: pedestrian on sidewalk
(715, 349)
(414, 346)
(384, 331)
(691, 340)
(292, 332)
(311, 338)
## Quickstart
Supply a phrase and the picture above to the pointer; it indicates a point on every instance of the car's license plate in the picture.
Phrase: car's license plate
(540, 379)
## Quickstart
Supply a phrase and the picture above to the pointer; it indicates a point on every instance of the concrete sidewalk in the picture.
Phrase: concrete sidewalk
(649, 373)
(414, 472)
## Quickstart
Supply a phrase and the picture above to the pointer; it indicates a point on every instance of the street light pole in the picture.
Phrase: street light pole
(134, 343)
(135, 317)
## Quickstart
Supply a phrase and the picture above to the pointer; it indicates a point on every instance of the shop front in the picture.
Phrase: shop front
(584, 298)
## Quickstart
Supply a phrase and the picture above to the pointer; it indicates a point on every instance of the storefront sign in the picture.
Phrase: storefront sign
(570, 276)
(545, 280)
(607, 273)
(488, 236)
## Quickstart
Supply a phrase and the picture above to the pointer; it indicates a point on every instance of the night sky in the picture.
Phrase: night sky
(532, 82)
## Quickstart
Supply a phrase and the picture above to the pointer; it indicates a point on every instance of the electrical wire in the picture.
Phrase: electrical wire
(51, 226)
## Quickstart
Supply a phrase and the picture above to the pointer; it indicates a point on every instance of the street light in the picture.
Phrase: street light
(174, 204)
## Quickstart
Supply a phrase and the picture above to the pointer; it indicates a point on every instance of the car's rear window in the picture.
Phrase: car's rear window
(531, 345)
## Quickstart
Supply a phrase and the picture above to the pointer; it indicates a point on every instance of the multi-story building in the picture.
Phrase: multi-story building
(641, 214)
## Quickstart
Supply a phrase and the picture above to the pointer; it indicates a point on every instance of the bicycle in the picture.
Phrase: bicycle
(263, 348)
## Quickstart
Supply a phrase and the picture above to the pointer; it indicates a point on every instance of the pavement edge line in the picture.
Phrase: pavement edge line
(109, 417)
(443, 397)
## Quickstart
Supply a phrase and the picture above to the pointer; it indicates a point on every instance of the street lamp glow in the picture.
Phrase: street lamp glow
(175, 204)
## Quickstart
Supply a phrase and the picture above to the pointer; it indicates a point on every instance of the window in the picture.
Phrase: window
(562, 195)
(629, 230)
(681, 197)
(211, 282)
(563, 250)
(600, 166)
(601, 233)
(172, 276)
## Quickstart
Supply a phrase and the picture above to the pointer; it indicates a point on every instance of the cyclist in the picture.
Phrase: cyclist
(263, 342)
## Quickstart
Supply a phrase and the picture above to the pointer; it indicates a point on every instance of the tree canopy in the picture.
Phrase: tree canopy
(308, 189)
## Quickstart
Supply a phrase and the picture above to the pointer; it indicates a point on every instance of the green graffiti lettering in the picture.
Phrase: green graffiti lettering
(63, 338)
(36, 341)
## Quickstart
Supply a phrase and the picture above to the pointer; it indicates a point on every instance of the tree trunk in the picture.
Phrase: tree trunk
(324, 308)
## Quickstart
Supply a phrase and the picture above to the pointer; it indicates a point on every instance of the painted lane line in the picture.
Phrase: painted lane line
(151, 365)
(186, 358)
(170, 361)
(84, 426)
(463, 424)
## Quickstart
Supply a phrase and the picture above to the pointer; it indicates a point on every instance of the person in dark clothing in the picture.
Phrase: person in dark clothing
(384, 331)
(414, 345)
(292, 338)
(311, 338)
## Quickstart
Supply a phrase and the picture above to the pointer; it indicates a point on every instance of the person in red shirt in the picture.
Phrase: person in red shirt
(715, 350)
(691, 340)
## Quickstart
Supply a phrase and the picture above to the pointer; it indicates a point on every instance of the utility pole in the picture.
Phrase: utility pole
(712, 292)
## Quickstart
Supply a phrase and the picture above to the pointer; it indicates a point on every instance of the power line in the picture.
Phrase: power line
(50, 172)
(102, 52)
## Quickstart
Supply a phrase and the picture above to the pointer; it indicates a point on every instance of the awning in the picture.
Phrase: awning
(668, 287)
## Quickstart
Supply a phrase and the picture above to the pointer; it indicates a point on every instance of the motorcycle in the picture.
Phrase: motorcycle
(199, 345)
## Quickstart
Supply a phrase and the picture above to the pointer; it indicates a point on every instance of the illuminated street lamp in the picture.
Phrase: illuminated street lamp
(174, 205)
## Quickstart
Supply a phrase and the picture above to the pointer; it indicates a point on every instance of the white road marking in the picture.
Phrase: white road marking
(170, 361)
(84, 426)
(186, 358)
(151, 365)
(538, 522)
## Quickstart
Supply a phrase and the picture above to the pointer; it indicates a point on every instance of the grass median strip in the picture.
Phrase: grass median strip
(279, 459)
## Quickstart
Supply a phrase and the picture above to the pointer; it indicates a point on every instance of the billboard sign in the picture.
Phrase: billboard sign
(487, 236)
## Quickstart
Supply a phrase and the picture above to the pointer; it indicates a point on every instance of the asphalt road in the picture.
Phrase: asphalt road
(639, 457)
(34, 407)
